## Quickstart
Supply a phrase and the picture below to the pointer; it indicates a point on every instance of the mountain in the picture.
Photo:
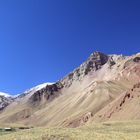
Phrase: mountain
(103, 88)
(33, 90)
(5, 100)
(38, 87)
(4, 94)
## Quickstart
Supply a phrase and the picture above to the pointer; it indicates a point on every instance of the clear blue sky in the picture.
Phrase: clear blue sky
(42, 40)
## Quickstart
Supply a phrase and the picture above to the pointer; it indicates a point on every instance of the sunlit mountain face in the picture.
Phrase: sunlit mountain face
(103, 88)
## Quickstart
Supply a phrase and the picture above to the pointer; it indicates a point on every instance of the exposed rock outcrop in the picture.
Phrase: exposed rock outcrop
(49, 92)
(94, 63)
(83, 119)
(120, 104)
(136, 59)
(5, 101)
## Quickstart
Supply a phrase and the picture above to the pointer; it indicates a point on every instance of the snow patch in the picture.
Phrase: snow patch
(39, 87)
(4, 94)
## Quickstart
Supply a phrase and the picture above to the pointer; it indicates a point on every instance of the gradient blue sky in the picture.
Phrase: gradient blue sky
(42, 40)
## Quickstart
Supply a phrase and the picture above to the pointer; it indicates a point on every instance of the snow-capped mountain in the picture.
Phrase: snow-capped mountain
(38, 87)
(5, 94)
(5, 100)
(32, 90)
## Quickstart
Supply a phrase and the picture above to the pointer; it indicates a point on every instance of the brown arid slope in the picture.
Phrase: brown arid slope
(105, 87)
(124, 107)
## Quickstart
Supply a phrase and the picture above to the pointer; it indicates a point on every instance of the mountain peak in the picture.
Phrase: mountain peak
(93, 63)
(97, 54)
(98, 58)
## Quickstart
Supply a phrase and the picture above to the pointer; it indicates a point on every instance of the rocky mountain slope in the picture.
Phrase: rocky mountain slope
(5, 100)
(98, 90)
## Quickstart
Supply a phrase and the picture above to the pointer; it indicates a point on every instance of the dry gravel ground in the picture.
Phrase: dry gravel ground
(104, 131)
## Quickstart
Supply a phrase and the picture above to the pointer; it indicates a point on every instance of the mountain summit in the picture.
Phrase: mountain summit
(103, 88)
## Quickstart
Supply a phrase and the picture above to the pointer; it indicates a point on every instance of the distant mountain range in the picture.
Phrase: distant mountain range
(103, 88)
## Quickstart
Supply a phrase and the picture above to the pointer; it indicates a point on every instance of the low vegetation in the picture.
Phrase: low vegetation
(104, 131)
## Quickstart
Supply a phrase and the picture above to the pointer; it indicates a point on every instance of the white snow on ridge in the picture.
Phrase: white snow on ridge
(5, 94)
(36, 88)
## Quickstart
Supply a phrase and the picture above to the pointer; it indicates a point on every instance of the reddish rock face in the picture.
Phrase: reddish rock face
(121, 103)
(83, 119)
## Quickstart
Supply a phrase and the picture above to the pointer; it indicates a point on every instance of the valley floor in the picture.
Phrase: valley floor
(104, 131)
